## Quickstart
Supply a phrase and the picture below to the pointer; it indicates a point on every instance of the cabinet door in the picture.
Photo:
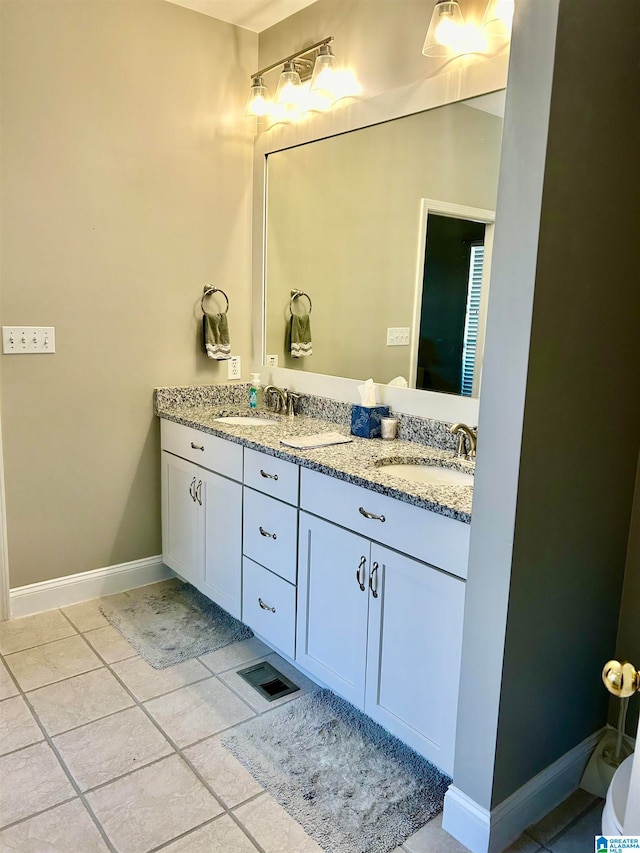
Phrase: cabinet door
(182, 520)
(414, 649)
(222, 510)
(332, 609)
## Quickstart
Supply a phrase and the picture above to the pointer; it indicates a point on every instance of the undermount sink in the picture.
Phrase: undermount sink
(428, 474)
(245, 420)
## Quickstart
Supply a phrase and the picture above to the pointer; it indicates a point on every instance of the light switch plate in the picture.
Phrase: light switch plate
(272, 361)
(398, 336)
(24, 340)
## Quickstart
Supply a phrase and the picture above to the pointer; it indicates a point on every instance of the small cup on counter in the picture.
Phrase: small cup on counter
(389, 428)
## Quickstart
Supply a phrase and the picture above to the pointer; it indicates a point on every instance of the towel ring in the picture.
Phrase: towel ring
(296, 294)
(209, 290)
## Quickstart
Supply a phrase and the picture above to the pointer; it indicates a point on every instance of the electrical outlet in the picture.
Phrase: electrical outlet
(233, 367)
(272, 361)
(398, 337)
(28, 339)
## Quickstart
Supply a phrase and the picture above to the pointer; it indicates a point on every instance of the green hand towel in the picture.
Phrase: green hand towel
(300, 335)
(215, 335)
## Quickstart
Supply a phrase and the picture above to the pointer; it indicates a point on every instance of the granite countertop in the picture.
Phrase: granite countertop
(354, 462)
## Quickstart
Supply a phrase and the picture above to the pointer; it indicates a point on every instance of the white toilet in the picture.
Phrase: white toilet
(616, 801)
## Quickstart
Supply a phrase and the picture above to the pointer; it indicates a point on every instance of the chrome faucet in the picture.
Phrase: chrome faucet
(465, 433)
(281, 395)
(285, 400)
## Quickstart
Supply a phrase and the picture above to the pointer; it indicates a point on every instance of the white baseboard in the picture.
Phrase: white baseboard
(467, 821)
(490, 832)
(71, 589)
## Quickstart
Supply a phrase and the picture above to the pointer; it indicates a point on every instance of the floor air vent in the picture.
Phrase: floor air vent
(266, 679)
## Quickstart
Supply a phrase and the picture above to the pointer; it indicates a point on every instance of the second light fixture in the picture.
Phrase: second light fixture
(449, 36)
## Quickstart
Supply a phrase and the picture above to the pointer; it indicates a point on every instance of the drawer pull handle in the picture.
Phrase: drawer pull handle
(268, 476)
(192, 490)
(199, 492)
(366, 514)
(264, 532)
(266, 606)
(197, 446)
(374, 574)
(361, 569)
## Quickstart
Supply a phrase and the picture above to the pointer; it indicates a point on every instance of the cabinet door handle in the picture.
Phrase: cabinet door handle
(268, 476)
(197, 446)
(192, 490)
(374, 574)
(199, 492)
(361, 573)
(264, 532)
(366, 514)
(266, 606)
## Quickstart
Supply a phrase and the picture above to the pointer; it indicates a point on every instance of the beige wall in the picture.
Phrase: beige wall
(126, 184)
(350, 233)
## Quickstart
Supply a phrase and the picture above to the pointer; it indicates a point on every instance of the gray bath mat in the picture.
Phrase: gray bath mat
(174, 625)
(354, 787)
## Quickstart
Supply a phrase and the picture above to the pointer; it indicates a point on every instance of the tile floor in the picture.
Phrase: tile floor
(101, 752)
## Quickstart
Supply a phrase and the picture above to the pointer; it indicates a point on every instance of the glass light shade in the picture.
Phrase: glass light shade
(445, 36)
(289, 87)
(324, 78)
(259, 100)
(498, 17)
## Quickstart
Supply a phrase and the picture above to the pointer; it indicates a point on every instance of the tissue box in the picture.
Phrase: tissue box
(365, 420)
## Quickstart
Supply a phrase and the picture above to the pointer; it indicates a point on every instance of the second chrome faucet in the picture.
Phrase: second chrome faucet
(466, 434)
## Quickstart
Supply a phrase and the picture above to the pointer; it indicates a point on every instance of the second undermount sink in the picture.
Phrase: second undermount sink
(435, 475)
(245, 420)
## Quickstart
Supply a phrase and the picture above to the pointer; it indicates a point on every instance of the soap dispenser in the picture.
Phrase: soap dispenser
(255, 391)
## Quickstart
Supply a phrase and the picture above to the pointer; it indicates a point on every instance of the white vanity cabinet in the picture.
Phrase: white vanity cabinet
(380, 628)
(270, 538)
(363, 591)
(202, 512)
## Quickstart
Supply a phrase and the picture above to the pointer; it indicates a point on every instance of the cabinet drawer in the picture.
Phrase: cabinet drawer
(269, 607)
(273, 476)
(427, 536)
(270, 533)
(217, 454)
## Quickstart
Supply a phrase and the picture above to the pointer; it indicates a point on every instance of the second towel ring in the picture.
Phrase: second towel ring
(209, 290)
(296, 294)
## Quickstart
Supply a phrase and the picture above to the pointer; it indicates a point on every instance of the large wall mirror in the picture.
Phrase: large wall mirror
(388, 230)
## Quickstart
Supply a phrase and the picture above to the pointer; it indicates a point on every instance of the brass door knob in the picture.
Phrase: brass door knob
(620, 678)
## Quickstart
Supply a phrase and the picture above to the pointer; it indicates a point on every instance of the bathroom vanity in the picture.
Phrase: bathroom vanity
(356, 576)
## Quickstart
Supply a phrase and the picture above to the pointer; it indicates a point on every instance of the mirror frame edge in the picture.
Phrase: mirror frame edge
(478, 78)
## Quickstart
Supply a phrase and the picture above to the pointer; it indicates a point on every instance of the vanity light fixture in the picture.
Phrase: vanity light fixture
(309, 81)
(498, 17)
(289, 88)
(449, 36)
(259, 98)
(323, 89)
(446, 30)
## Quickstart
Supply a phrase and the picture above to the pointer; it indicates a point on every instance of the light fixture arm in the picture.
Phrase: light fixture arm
(293, 56)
